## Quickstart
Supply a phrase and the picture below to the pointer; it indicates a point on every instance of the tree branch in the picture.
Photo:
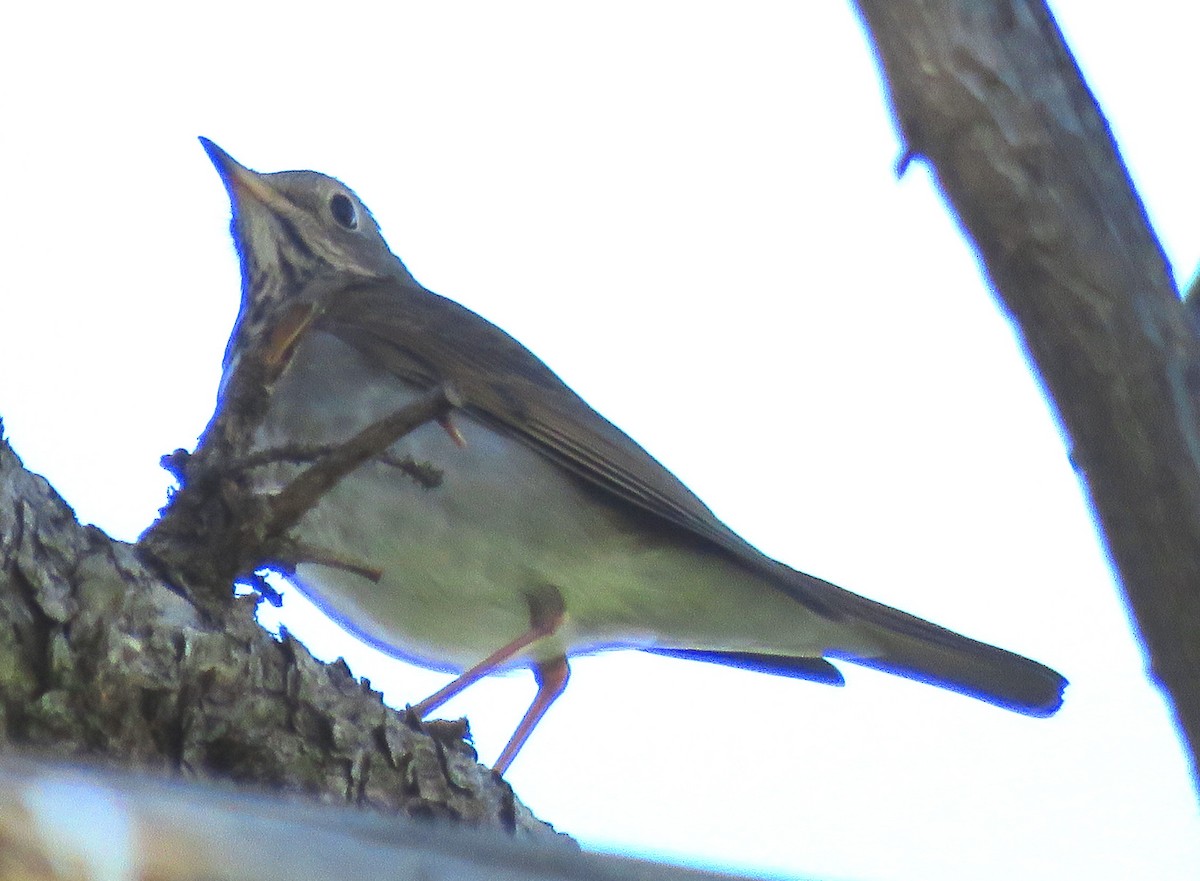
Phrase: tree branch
(990, 95)
(306, 489)
(102, 659)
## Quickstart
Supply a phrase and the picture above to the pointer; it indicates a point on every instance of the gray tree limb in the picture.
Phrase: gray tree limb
(989, 95)
(100, 659)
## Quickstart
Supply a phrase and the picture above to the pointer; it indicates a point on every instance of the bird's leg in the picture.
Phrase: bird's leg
(552, 679)
(546, 612)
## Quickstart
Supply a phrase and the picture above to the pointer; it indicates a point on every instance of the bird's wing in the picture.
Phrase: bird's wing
(425, 338)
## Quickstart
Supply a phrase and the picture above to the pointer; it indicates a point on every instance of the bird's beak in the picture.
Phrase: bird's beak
(240, 181)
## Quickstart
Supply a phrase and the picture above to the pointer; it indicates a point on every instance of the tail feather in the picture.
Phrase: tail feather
(896, 642)
(916, 649)
(975, 669)
(936, 656)
(812, 669)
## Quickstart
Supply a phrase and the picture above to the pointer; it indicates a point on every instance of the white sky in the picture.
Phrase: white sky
(689, 211)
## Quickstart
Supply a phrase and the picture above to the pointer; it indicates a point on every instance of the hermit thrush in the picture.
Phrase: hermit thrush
(551, 533)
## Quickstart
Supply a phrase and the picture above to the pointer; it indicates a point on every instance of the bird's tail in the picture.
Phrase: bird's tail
(916, 649)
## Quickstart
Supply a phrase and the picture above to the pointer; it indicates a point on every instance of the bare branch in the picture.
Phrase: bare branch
(298, 497)
(990, 95)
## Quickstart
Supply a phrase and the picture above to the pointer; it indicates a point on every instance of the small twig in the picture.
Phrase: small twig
(262, 587)
(425, 474)
(296, 499)
(296, 454)
(906, 159)
(175, 463)
(293, 553)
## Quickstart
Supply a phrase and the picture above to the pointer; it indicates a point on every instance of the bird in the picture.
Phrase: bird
(550, 533)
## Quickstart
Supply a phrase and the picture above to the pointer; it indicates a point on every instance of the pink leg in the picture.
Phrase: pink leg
(545, 615)
(483, 668)
(552, 679)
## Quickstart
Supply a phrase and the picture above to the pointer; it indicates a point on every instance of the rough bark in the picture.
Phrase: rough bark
(100, 659)
(990, 96)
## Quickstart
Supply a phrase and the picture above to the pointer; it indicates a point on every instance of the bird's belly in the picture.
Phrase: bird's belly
(461, 562)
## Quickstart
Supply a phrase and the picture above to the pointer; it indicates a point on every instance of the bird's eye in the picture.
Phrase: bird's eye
(343, 211)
